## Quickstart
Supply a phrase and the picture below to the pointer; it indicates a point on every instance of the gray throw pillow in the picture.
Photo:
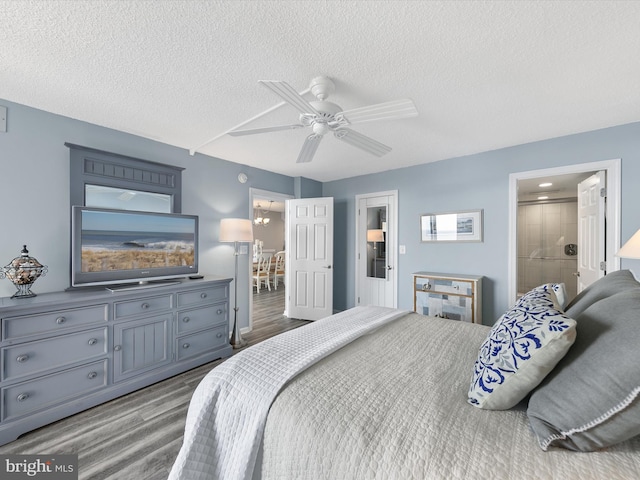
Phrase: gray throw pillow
(591, 399)
(614, 282)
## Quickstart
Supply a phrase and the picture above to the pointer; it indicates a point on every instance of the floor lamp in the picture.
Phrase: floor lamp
(236, 230)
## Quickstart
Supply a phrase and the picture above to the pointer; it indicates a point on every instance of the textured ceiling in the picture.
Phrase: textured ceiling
(483, 75)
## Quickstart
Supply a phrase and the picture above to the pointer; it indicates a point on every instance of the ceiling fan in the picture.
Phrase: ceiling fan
(323, 117)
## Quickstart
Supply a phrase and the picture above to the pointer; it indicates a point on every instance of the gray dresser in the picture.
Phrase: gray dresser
(64, 352)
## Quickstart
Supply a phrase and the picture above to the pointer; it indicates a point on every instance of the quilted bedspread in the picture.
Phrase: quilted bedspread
(392, 406)
(228, 410)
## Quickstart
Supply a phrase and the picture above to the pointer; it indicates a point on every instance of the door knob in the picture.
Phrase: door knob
(389, 267)
(576, 274)
(327, 266)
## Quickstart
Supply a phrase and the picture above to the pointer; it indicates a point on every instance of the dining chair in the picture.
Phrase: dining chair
(261, 274)
(278, 271)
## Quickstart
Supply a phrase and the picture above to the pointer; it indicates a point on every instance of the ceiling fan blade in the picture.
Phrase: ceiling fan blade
(309, 148)
(251, 131)
(289, 95)
(359, 140)
(393, 110)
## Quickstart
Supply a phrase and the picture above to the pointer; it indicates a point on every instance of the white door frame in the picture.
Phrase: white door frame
(258, 193)
(613, 169)
(392, 226)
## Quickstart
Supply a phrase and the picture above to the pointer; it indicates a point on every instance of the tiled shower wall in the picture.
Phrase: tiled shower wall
(543, 232)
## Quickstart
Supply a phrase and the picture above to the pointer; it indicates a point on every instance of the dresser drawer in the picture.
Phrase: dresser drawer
(444, 285)
(454, 307)
(202, 296)
(201, 318)
(27, 397)
(33, 357)
(202, 342)
(143, 306)
(50, 322)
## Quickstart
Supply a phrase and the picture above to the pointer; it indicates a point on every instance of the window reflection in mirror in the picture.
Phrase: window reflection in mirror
(376, 242)
(126, 199)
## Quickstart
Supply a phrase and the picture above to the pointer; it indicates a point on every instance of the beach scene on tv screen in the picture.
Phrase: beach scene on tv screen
(119, 241)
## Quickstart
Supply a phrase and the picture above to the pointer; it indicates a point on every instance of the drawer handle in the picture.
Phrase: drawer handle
(185, 345)
(219, 335)
(92, 375)
(220, 311)
(60, 320)
(144, 306)
(203, 295)
(117, 348)
(186, 319)
(22, 358)
(22, 397)
(92, 341)
(426, 286)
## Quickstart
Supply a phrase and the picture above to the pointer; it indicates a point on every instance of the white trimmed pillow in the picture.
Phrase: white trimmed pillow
(521, 349)
(592, 398)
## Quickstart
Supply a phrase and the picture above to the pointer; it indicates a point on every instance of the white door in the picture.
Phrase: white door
(309, 258)
(591, 230)
(376, 275)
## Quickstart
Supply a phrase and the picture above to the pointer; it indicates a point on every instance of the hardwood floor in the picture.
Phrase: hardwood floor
(138, 436)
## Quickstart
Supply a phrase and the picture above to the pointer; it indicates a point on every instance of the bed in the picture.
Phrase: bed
(375, 393)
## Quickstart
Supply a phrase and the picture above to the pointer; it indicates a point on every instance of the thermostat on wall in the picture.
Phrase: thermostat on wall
(3, 119)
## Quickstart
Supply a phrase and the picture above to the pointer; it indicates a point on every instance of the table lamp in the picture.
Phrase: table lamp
(236, 230)
(631, 249)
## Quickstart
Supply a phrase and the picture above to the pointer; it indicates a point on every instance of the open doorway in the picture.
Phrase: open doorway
(548, 231)
(267, 209)
(523, 187)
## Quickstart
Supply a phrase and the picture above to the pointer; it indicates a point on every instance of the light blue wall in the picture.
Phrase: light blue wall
(34, 194)
(473, 182)
(307, 188)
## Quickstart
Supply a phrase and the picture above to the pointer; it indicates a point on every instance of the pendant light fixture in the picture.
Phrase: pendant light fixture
(260, 216)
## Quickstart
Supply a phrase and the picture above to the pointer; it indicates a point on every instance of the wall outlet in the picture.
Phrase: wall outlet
(244, 249)
(402, 249)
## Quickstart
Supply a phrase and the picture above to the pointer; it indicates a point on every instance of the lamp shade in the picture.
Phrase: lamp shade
(631, 249)
(375, 235)
(236, 230)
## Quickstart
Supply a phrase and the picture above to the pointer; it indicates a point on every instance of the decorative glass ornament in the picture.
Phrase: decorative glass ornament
(23, 271)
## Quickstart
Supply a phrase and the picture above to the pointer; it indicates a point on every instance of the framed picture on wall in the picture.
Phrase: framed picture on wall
(451, 226)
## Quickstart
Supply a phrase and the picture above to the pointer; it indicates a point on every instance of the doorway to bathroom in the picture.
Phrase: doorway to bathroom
(549, 240)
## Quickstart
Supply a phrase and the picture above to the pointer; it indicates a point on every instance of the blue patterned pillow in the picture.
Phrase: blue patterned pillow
(561, 294)
(522, 348)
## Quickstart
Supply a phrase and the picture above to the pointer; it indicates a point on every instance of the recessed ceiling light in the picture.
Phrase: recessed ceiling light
(544, 197)
(546, 184)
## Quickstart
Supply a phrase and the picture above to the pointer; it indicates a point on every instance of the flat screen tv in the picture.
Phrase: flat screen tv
(112, 247)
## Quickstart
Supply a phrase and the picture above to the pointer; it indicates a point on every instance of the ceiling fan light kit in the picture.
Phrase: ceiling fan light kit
(323, 117)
